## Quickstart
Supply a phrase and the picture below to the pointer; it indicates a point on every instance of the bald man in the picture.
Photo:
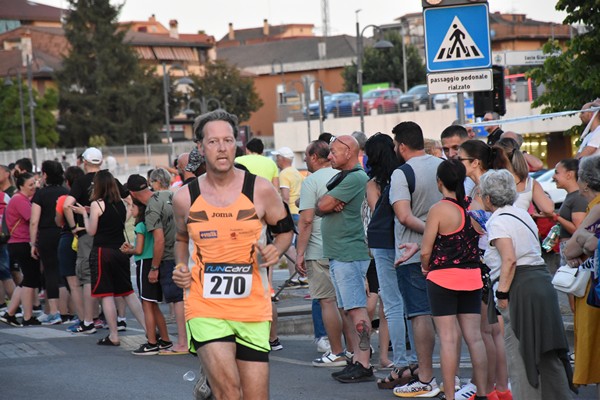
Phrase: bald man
(345, 247)
(533, 163)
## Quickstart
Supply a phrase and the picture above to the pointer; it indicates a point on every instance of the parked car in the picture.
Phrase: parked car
(338, 104)
(414, 98)
(382, 100)
(547, 183)
(444, 100)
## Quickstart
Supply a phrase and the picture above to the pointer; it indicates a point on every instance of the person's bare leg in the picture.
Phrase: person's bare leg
(63, 300)
(470, 326)
(273, 331)
(218, 361)
(148, 308)
(449, 335)
(135, 306)
(90, 305)
(490, 349)
(182, 344)
(348, 329)
(27, 300)
(76, 295)
(333, 324)
(501, 361)
(254, 378)
(15, 301)
(110, 313)
(424, 342)
(357, 316)
(121, 306)
(159, 321)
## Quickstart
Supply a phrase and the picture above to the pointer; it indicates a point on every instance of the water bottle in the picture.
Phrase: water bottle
(552, 238)
(189, 376)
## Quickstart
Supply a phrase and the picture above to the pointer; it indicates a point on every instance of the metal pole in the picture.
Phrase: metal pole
(307, 102)
(23, 135)
(167, 118)
(31, 112)
(460, 103)
(404, 62)
(320, 110)
(359, 77)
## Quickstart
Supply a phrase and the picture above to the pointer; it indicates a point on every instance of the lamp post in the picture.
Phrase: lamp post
(32, 106)
(183, 81)
(8, 82)
(402, 35)
(381, 44)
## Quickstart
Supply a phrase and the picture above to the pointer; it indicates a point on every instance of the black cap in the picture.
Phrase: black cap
(136, 183)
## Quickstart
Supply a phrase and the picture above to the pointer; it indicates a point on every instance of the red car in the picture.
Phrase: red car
(382, 100)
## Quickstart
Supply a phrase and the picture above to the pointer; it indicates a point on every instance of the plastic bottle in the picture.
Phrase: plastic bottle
(189, 376)
(552, 238)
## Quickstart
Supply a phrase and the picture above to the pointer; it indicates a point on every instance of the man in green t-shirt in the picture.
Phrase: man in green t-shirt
(345, 246)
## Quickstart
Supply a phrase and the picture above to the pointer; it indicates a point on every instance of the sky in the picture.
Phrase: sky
(213, 17)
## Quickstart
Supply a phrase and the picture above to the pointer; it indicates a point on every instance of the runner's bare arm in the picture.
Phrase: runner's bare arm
(182, 276)
(274, 211)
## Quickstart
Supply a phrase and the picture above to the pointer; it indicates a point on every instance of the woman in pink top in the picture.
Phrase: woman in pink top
(18, 214)
(450, 258)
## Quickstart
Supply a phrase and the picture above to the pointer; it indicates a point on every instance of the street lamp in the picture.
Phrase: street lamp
(8, 82)
(203, 103)
(182, 81)
(381, 44)
(32, 105)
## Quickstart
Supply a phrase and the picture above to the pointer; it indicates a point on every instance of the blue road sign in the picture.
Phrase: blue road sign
(457, 37)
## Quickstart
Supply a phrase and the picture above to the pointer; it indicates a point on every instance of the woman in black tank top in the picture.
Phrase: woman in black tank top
(110, 268)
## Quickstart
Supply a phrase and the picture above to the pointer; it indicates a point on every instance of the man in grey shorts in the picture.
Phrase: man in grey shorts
(310, 260)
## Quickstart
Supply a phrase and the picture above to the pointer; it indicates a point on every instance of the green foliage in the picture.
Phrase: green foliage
(103, 89)
(387, 66)
(223, 82)
(98, 141)
(10, 117)
(573, 77)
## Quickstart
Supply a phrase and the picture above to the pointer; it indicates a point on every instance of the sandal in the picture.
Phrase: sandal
(386, 367)
(390, 382)
(107, 342)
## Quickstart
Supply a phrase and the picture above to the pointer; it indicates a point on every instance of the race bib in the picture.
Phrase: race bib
(227, 281)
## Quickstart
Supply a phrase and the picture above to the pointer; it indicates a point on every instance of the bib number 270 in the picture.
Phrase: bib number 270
(227, 281)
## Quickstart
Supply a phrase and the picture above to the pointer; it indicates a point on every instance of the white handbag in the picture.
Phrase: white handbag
(571, 280)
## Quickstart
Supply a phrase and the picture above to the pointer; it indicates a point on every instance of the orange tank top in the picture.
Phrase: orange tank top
(227, 282)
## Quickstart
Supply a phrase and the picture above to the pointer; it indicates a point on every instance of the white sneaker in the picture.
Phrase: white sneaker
(323, 344)
(465, 392)
(330, 360)
(416, 388)
(456, 384)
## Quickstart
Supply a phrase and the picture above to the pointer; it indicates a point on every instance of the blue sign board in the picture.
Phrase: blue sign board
(457, 38)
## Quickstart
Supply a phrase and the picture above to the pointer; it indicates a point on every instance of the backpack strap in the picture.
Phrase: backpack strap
(409, 173)
(248, 186)
(194, 188)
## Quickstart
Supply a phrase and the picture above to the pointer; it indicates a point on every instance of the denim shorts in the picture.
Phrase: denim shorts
(171, 292)
(413, 288)
(349, 281)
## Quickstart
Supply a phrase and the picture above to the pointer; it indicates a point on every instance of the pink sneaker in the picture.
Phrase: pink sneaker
(504, 395)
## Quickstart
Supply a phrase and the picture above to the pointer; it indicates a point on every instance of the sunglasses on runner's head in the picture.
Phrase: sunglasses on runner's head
(333, 139)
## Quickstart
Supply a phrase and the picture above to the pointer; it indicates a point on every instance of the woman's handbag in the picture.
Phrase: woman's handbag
(571, 280)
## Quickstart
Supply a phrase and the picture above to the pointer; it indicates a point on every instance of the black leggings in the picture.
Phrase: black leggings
(21, 253)
(48, 251)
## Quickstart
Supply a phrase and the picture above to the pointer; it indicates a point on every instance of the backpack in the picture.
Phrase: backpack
(380, 232)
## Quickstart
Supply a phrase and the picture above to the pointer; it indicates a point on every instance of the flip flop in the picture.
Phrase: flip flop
(107, 342)
(171, 352)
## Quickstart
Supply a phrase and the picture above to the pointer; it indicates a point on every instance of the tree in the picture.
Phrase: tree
(387, 66)
(224, 83)
(10, 118)
(103, 89)
(572, 78)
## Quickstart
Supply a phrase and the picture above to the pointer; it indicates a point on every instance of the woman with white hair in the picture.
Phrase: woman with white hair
(536, 345)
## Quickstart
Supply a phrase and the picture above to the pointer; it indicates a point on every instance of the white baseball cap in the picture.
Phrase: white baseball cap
(92, 155)
(285, 152)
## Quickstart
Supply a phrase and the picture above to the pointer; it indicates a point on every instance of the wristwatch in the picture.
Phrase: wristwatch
(153, 268)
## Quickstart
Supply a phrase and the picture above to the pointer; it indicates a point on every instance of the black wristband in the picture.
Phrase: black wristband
(501, 295)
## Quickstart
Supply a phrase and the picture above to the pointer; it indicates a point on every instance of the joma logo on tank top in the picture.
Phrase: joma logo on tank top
(222, 215)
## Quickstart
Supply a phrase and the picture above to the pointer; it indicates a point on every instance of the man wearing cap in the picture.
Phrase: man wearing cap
(258, 164)
(290, 183)
(159, 222)
(80, 194)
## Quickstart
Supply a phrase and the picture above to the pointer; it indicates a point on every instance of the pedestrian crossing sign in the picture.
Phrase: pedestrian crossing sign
(457, 37)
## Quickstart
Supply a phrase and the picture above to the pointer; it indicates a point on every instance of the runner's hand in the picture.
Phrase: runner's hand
(269, 254)
(182, 276)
